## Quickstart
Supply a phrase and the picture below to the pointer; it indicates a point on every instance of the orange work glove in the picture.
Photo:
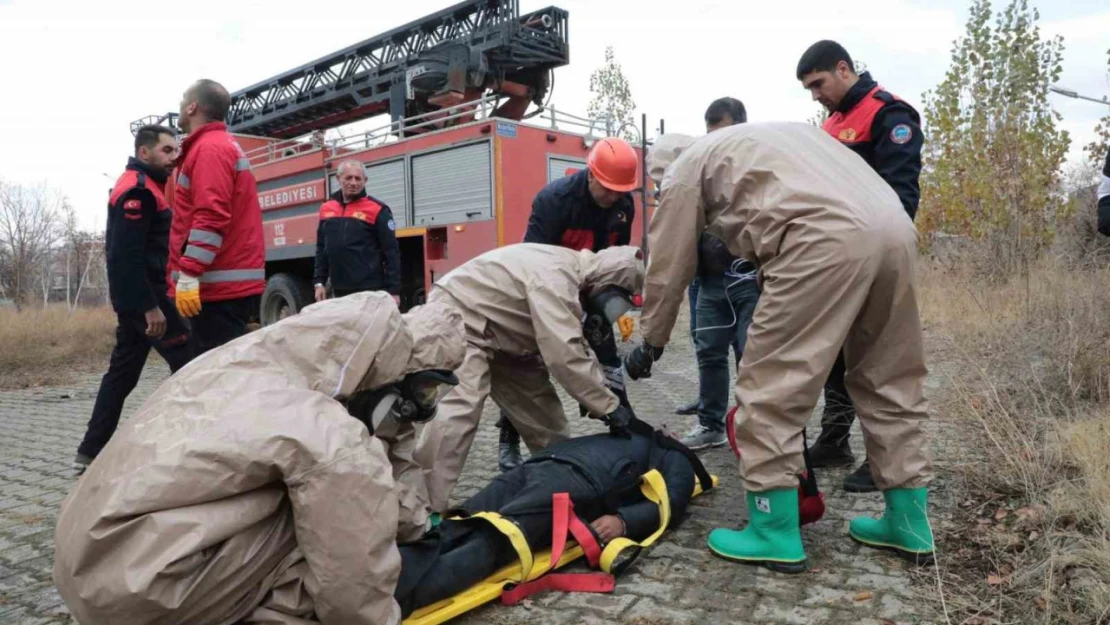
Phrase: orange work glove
(188, 296)
(626, 325)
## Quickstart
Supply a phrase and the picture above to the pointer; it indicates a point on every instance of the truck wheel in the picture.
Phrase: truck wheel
(285, 295)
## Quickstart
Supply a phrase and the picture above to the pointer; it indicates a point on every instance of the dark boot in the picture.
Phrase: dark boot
(689, 408)
(825, 455)
(508, 448)
(861, 481)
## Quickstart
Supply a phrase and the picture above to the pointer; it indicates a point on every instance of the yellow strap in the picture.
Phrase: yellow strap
(655, 489)
(515, 536)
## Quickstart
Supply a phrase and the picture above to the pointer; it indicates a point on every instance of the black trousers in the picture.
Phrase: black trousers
(126, 366)
(459, 554)
(840, 412)
(222, 322)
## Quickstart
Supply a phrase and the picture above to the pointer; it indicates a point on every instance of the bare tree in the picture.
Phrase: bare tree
(84, 249)
(30, 228)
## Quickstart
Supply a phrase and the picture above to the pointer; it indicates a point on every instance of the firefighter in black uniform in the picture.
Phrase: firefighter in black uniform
(136, 246)
(591, 209)
(356, 240)
(885, 131)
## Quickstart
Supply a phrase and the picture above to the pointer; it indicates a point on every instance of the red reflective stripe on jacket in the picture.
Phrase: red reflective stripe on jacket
(855, 126)
(362, 209)
(129, 180)
(215, 193)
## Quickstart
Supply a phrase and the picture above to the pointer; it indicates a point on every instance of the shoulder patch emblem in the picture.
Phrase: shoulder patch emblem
(901, 133)
(132, 205)
(848, 134)
(391, 225)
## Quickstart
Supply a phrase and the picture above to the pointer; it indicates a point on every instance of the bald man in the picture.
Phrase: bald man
(356, 240)
(217, 255)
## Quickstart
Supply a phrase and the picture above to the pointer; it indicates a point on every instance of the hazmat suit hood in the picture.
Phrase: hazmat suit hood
(621, 266)
(252, 474)
(666, 150)
(433, 335)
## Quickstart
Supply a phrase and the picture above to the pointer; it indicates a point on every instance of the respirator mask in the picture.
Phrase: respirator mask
(412, 400)
(611, 302)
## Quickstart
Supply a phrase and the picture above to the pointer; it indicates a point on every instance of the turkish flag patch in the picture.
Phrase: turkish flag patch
(132, 205)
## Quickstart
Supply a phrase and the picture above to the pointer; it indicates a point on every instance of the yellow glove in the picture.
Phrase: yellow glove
(188, 296)
(626, 325)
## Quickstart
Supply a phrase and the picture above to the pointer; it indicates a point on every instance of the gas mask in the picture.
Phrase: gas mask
(611, 302)
(412, 400)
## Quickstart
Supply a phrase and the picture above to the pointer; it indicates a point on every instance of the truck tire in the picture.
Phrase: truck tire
(285, 295)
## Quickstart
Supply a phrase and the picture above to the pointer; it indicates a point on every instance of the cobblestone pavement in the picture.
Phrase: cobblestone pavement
(677, 581)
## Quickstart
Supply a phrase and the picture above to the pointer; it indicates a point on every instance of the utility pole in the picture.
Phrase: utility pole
(1078, 96)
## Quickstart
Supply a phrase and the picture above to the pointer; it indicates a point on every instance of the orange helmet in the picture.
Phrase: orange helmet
(615, 165)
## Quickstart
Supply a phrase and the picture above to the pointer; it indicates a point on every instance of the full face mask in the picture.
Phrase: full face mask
(612, 302)
(412, 400)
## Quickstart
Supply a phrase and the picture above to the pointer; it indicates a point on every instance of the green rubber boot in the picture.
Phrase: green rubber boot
(773, 536)
(903, 529)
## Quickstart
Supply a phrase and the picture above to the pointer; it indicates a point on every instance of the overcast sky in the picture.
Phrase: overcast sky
(76, 73)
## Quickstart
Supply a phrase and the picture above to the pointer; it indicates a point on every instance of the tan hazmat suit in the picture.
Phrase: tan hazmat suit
(242, 491)
(836, 254)
(523, 319)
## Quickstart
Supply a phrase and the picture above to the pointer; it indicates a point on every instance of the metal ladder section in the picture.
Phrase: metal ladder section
(369, 78)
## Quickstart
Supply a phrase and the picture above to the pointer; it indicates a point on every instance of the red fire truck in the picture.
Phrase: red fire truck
(459, 161)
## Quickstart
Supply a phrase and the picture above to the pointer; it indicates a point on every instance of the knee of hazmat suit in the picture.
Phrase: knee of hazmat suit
(193, 509)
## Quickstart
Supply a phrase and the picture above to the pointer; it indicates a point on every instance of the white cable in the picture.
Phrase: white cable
(733, 272)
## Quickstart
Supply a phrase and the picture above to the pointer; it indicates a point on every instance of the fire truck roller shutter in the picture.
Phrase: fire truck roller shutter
(453, 185)
(561, 167)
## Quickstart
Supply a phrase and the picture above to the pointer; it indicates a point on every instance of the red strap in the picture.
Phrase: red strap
(564, 520)
(730, 430)
(566, 582)
(561, 509)
(586, 539)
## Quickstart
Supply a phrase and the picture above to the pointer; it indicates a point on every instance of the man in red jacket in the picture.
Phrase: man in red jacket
(217, 255)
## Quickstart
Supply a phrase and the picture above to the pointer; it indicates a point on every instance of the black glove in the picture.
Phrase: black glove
(638, 362)
(619, 421)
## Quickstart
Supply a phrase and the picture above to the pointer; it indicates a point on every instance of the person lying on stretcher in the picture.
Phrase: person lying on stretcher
(602, 476)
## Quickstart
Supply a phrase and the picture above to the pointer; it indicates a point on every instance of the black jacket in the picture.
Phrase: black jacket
(356, 246)
(615, 465)
(137, 239)
(565, 214)
(1104, 199)
(897, 162)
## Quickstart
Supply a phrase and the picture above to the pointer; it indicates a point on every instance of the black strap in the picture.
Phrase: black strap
(645, 429)
(809, 481)
(140, 179)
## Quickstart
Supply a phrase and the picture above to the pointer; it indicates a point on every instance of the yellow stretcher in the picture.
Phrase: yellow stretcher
(531, 567)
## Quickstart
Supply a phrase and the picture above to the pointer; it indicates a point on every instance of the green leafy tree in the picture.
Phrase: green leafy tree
(993, 153)
(612, 97)
(1096, 150)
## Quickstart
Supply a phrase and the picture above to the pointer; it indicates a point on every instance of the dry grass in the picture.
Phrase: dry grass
(47, 347)
(1027, 537)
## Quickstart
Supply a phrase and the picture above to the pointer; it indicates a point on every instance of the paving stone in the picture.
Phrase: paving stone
(676, 581)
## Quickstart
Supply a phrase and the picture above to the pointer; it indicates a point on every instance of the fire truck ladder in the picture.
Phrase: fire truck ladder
(422, 66)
